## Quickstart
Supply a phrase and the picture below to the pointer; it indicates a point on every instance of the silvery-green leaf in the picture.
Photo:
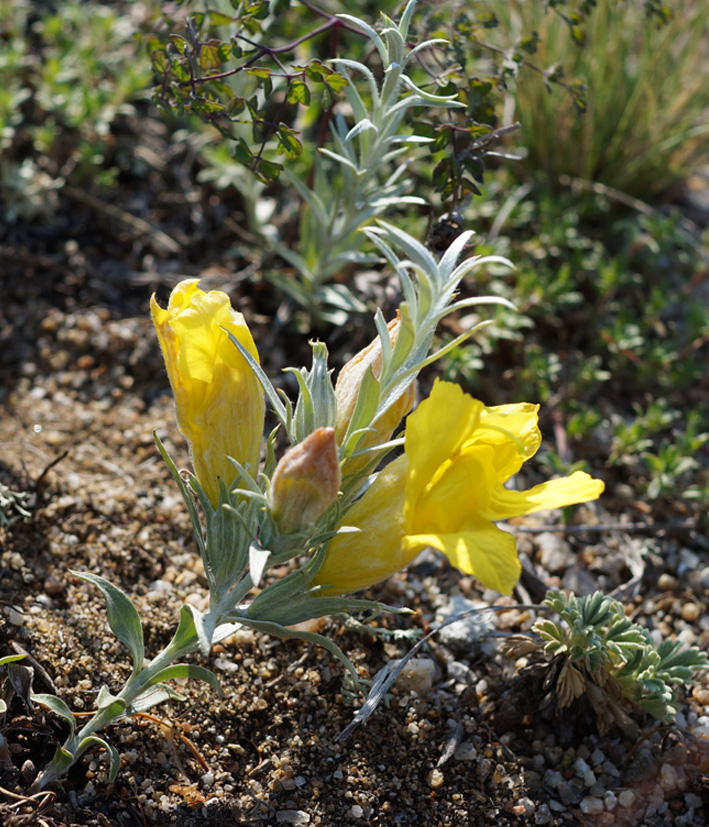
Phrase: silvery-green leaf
(58, 707)
(123, 617)
(369, 31)
(363, 126)
(268, 389)
(104, 697)
(155, 695)
(340, 160)
(186, 496)
(95, 741)
(258, 558)
(365, 409)
(188, 670)
(190, 632)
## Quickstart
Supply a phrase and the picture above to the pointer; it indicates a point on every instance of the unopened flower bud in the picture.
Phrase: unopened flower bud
(350, 378)
(306, 481)
(347, 391)
(220, 404)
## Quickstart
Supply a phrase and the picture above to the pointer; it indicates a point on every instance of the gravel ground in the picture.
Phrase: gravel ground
(464, 738)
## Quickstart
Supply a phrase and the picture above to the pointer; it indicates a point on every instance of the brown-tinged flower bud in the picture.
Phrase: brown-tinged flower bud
(347, 390)
(306, 481)
(350, 378)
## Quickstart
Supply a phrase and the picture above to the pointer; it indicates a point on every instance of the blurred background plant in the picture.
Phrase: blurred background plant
(68, 78)
(646, 121)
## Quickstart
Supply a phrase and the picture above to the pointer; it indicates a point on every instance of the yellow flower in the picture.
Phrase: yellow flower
(220, 404)
(447, 491)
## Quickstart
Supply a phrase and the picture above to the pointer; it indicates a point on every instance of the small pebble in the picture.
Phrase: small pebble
(610, 799)
(14, 618)
(666, 582)
(701, 696)
(690, 612)
(626, 798)
(417, 676)
(53, 586)
(543, 815)
(465, 752)
(591, 805)
(668, 778)
(524, 807)
(356, 811)
(435, 779)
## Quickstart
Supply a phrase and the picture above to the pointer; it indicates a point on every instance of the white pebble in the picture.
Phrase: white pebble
(610, 799)
(668, 778)
(356, 811)
(418, 676)
(14, 618)
(626, 798)
(591, 805)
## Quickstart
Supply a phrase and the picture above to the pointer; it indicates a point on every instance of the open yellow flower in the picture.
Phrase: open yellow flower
(446, 492)
(220, 404)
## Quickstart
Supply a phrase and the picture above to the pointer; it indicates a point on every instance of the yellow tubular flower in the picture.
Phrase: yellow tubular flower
(447, 492)
(220, 404)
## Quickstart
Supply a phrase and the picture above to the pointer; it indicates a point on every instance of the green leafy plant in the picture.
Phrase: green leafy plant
(15, 505)
(70, 76)
(599, 653)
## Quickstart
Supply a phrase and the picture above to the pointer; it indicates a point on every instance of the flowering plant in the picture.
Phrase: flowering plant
(321, 507)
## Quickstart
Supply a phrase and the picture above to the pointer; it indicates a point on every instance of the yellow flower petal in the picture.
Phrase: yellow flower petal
(495, 426)
(354, 561)
(462, 489)
(435, 433)
(578, 488)
(482, 550)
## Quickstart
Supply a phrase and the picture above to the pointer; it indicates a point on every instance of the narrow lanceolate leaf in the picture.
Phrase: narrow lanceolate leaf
(104, 698)
(123, 617)
(10, 659)
(188, 670)
(186, 636)
(95, 741)
(153, 696)
(58, 707)
(192, 628)
(186, 496)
